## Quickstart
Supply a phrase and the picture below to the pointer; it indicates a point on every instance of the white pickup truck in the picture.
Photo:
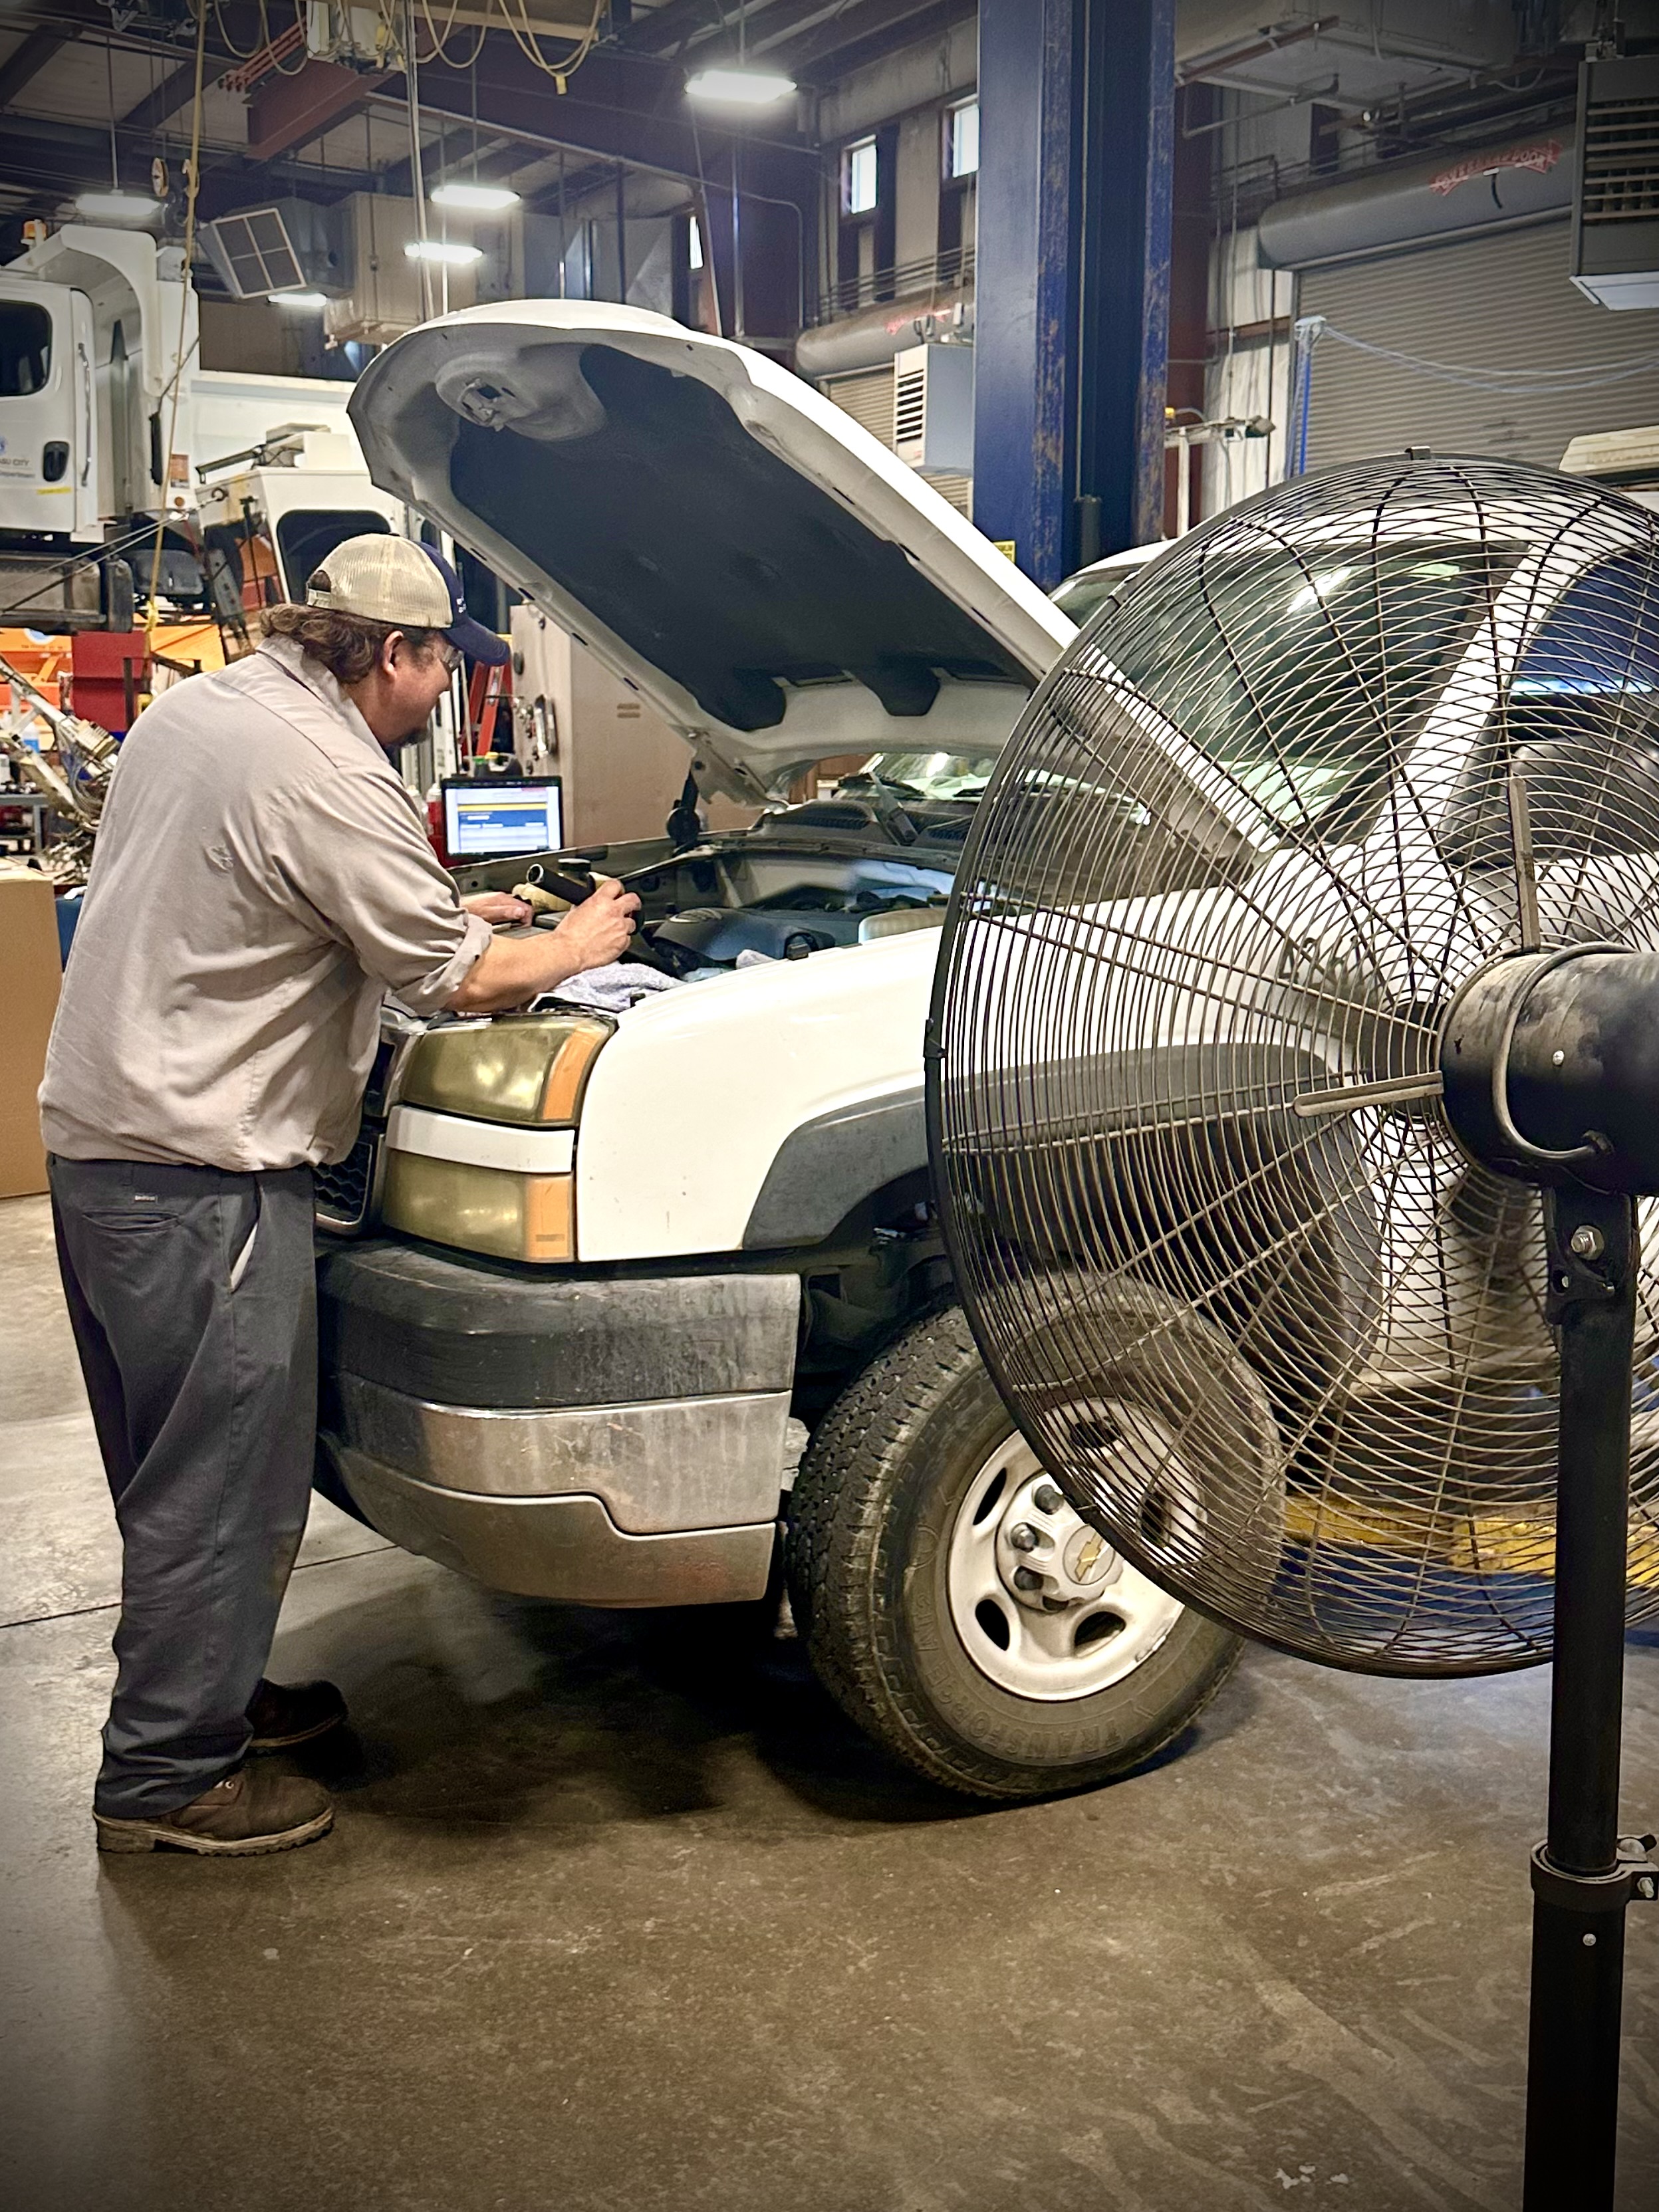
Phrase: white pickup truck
(590, 1281)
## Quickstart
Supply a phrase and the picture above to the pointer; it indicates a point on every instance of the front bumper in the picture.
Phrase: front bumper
(603, 1442)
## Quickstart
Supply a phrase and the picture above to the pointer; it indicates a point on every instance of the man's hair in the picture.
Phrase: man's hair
(348, 645)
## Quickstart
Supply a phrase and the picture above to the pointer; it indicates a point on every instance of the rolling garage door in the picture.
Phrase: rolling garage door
(1496, 303)
(867, 397)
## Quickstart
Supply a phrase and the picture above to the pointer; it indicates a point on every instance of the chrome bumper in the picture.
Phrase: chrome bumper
(605, 1442)
(668, 1502)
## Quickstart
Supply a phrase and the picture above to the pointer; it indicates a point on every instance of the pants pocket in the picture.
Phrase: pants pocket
(239, 1266)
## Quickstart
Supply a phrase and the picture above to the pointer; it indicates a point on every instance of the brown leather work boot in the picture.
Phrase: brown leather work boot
(282, 1714)
(254, 1810)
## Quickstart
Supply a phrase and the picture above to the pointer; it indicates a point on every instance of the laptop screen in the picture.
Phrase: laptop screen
(499, 820)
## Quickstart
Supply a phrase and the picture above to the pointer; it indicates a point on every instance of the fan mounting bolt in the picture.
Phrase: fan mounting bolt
(1024, 1537)
(1588, 1242)
(1047, 1498)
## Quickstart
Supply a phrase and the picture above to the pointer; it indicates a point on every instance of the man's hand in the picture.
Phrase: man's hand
(598, 932)
(497, 906)
(513, 970)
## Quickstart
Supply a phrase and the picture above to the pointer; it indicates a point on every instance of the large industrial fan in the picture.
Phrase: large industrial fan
(1294, 1093)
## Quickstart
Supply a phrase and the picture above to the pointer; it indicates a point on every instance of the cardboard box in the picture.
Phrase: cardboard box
(29, 962)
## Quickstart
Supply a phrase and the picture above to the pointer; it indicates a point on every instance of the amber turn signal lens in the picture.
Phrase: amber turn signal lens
(567, 1078)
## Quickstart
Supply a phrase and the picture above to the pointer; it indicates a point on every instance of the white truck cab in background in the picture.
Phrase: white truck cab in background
(279, 479)
(97, 322)
(109, 425)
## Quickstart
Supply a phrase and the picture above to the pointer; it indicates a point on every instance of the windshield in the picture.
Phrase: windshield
(1582, 729)
(1301, 681)
(306, 536)
(1085, 593)
(924, 775)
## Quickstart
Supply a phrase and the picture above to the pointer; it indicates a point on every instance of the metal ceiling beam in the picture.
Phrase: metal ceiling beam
(90, 19)
(611, 113)
(498, 158)
(235, 182)
(685, 23)
(21, 69)
(860, 35)
(176, 90)
(57, 159)
(774, 29)
(785, 20)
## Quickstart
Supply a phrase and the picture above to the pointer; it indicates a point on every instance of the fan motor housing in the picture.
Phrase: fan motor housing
(1551, 1067)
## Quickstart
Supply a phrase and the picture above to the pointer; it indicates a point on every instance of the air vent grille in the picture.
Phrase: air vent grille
(258, 253)
(867, 397)
(1621, 161)
(910, 409)
(828, 814)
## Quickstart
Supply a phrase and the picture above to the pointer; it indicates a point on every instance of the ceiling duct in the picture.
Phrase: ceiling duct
(1457, 194)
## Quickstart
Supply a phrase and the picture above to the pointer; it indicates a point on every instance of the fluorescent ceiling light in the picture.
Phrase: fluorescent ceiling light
(475, 198)
(119, 206)
(443, 249)
(302, 299)
(739, 87)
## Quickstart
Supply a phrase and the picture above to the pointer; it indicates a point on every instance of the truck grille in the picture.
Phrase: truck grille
(344, 1191)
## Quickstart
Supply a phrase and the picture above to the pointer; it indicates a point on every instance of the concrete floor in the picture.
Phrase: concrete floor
(618, 1913)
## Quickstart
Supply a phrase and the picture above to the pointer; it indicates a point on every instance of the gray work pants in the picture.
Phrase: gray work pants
(199, 1350)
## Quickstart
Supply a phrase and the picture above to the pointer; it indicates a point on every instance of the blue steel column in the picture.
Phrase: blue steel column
(1025, 311)
(1072, 276)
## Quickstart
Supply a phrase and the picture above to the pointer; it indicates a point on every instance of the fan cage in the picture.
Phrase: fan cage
(1310, 770)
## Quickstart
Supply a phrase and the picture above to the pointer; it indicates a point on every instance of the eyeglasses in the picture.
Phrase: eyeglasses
(451, 655)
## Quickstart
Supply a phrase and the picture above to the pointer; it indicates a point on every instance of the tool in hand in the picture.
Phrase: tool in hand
(544, 887)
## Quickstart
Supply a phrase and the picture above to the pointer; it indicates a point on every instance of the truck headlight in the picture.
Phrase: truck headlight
(479, 1147)
(480, 1209)
(527, 1068)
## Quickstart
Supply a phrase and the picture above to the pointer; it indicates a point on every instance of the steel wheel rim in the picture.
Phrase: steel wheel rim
(1096, 1619)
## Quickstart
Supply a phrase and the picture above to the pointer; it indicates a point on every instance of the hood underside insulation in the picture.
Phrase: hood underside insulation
(765, 579)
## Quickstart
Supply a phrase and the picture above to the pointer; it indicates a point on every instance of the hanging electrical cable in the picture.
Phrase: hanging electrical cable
(192, 181)
(416, 173)
(301, 25)
(526, 38)
(264, 45)
(441, 38)
(1590, 376)
(514, 18)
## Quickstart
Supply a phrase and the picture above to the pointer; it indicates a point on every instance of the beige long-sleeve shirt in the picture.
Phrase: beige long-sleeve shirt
(261, 878)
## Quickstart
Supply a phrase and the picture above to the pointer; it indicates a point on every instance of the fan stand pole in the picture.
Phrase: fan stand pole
(1581, 1877)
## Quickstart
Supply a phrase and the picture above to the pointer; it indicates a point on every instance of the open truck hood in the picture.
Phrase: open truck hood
(776, 584)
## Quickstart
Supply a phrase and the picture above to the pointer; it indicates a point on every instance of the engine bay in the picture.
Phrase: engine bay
(803, 880)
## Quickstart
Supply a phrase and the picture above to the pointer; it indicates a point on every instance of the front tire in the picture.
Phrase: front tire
(917, 1506)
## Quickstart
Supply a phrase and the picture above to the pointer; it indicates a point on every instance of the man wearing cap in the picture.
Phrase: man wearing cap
(262, 879)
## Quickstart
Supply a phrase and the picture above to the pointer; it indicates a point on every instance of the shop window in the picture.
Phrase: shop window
(859, 175)
(957, 198)
(962, 139)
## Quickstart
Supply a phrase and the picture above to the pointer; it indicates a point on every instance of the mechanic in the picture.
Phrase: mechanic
(262, 877)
